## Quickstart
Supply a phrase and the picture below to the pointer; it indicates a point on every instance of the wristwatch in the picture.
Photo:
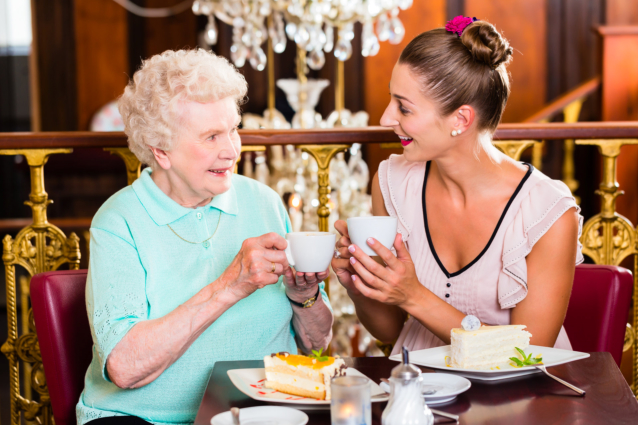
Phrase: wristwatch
(308, 303)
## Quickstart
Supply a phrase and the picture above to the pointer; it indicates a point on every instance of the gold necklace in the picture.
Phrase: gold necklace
(197, 243)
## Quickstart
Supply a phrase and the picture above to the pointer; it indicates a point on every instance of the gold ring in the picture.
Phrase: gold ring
(273, 268)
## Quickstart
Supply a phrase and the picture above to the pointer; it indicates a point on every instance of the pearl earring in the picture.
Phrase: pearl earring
(458, 132)
(454, 133)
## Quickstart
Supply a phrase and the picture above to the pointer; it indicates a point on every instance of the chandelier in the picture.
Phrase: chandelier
(316, 26)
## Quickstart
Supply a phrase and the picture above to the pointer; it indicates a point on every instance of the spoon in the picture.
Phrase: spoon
(234, 411)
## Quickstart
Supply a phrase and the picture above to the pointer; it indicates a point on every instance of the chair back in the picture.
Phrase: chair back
(596, 317)
(64, 335)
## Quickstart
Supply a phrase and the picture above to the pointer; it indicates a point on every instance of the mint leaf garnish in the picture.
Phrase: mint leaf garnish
(527, 359)
(317, 355)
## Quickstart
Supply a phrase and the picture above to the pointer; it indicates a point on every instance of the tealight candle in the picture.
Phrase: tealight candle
(350, 403)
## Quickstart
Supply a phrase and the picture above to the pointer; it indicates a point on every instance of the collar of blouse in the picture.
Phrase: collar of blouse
(163, 210)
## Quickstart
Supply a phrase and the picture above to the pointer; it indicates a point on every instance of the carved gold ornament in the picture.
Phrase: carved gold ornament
(37, 248)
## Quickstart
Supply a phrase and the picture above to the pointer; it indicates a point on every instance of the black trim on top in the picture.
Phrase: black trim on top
(498, 225)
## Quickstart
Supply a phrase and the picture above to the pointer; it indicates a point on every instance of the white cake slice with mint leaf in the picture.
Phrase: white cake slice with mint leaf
(487, 347)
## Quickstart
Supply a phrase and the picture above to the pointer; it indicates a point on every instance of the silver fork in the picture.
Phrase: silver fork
(567, 384)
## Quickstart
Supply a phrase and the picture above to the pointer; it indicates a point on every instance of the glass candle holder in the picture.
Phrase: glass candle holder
(350, 403)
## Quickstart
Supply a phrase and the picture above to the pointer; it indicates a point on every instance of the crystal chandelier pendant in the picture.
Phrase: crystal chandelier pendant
(370, 43)
(343, 50)
(277, 33)
(302, 36)
(384, 29)
(239, 54)
(316, 59)
(398, 30)
(330, 38)
(196, 7)
(205, 8)
(405, 4)
(210, 34)
(258, 58)
(291, 30)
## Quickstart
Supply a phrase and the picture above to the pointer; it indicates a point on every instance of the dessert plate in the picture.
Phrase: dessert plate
(435, 358)
(263, 415)
(447, 387)
(251, 383)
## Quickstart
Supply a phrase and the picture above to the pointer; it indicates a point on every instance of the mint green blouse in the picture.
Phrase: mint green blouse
(140, 270)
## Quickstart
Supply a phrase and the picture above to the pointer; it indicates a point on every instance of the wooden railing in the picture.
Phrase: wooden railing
(570, 105)
(40, 246)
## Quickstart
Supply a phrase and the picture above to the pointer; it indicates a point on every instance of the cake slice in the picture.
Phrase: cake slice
(301, 375)
(488, 346)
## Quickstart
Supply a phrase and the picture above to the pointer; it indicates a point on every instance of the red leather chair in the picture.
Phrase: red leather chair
(598, 307)
(62, 325)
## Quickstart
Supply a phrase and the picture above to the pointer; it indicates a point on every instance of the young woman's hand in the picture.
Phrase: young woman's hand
(341, 261)
(394, 284)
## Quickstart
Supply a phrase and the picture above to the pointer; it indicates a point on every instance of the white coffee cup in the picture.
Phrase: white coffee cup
(383, 229)
(310, 252)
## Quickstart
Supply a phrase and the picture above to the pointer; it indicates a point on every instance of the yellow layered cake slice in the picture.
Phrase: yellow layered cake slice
(301, 375)
(488, 346)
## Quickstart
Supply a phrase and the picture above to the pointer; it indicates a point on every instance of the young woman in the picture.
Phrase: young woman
(479, 233)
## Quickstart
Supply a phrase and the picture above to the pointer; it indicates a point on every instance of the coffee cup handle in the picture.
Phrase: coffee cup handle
(291, 260)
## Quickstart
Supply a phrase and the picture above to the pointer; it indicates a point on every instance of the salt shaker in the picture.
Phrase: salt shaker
(406, 405)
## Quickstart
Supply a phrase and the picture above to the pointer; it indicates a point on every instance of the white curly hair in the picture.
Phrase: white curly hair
(149, 103)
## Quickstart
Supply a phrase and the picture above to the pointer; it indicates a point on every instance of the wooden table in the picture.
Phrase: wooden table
(532, 399)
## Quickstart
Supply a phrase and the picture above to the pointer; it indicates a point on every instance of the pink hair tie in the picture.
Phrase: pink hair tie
(458, 24)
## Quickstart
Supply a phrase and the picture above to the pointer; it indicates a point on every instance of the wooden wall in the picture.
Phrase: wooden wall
(55, 40)
(523, 24)
(100, 27)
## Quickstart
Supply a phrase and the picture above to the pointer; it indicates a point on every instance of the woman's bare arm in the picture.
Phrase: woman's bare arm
(550, 274)
(313, 326)
(151, 346)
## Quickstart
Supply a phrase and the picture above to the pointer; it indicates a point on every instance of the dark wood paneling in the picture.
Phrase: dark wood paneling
(56, 64)
(454, 8)
(622, 12)
(136, 26)
(101, 55)
(523, 23)
(171, 33)
(573, 49)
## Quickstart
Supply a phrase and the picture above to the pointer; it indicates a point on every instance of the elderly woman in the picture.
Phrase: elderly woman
(187, 264)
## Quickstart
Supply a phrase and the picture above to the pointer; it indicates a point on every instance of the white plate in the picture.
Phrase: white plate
(440, 401)
(251, 383)
(263, 415)
(435, 358)
(448, 386)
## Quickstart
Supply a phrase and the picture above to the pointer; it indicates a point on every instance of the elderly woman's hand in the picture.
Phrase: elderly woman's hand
(260, 262)
(300, 286)
(341, 263)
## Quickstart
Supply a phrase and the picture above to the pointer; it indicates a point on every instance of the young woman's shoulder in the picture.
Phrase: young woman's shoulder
(543, 202)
